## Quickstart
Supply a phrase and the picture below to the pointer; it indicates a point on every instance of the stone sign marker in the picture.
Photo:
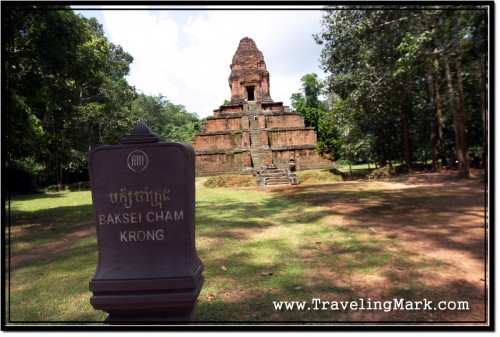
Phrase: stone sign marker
(143, 196)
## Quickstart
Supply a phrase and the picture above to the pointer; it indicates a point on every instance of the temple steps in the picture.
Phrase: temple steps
(256, 144)
(275, 176)
(277, 181)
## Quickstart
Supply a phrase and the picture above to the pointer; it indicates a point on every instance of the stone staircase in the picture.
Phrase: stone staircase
(256, 151)
(271, 175)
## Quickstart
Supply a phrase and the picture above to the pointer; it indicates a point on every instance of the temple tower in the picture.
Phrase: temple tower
(252, 130)
(249, 79)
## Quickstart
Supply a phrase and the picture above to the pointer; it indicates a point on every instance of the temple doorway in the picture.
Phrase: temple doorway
(250, 94)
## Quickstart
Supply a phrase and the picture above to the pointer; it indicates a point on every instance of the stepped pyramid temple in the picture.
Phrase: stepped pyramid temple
(252, 131)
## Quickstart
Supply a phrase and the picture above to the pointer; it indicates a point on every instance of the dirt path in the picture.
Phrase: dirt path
(55, 247)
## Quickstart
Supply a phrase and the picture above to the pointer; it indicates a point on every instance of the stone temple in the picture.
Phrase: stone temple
(252, 131)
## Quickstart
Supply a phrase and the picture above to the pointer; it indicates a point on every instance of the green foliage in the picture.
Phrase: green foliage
(67, 93)
(79, 186)
(170, 121)
(25, 175)
(388, 62)
(66, 86)
(307, 102)
(316, 114)
(56, 188)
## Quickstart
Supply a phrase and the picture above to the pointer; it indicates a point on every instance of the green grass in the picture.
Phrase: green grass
(345, 168)
(58, 206)
(294, 236)
(41, 218)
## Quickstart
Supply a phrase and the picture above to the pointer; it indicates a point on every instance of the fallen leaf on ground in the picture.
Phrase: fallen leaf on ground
(266, 273)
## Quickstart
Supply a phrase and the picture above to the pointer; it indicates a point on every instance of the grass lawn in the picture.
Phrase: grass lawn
(337, 241)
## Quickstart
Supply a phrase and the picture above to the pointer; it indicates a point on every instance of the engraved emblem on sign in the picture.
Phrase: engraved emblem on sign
(137, 161)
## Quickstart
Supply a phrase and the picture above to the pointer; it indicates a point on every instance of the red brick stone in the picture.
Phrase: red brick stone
(252, 130)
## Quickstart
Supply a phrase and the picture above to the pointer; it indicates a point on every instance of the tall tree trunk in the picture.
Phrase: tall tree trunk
(484, 109)
(58, 170)
(383, 153)
(462, 150)
(459, 123)
(439, 111)
(451, 93)
(431, 96)
(406, 137)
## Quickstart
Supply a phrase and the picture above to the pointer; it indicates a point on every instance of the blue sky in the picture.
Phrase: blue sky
(185, 54)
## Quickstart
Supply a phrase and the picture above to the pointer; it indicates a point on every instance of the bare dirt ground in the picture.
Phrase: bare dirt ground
(55, 247)
(439, 223)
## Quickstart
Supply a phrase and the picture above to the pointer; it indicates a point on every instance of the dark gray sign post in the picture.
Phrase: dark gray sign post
(143, 196)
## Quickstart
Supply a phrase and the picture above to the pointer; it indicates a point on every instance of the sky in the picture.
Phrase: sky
(185, 54)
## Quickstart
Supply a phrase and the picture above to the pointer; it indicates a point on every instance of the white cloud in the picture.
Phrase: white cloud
(185, 55)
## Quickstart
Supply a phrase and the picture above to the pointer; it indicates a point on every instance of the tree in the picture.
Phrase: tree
(170, 121)
(353, 144)
(307, 102)
(316, 114)
(390, 62)
(65, 84)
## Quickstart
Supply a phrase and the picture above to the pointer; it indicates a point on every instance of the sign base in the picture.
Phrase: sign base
(148, 307)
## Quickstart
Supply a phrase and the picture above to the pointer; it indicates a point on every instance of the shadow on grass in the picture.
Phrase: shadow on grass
(66, 213)
(216, 220)
(35, 196)
(54, 287)
(30, 230)
(341, 269)
(420, 213)
(286, 247)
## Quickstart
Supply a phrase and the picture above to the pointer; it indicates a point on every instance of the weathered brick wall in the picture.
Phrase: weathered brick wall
(284, 121)
(220, 163)
(267, 159)
(264, 137)
(262, 121)
(304, 159)
(273, 107)
(234, 124)
(223, 124)
(291, 137)
(231, 109)
(245, 139)
(246, 159)
(245, 123)
(204, 142)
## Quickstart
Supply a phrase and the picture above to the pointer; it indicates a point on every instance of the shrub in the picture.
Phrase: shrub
(311, 177)
(25, 176)
(387, 171)
(56, 188)
(230, 181)
(80, 186)
(21, 181)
